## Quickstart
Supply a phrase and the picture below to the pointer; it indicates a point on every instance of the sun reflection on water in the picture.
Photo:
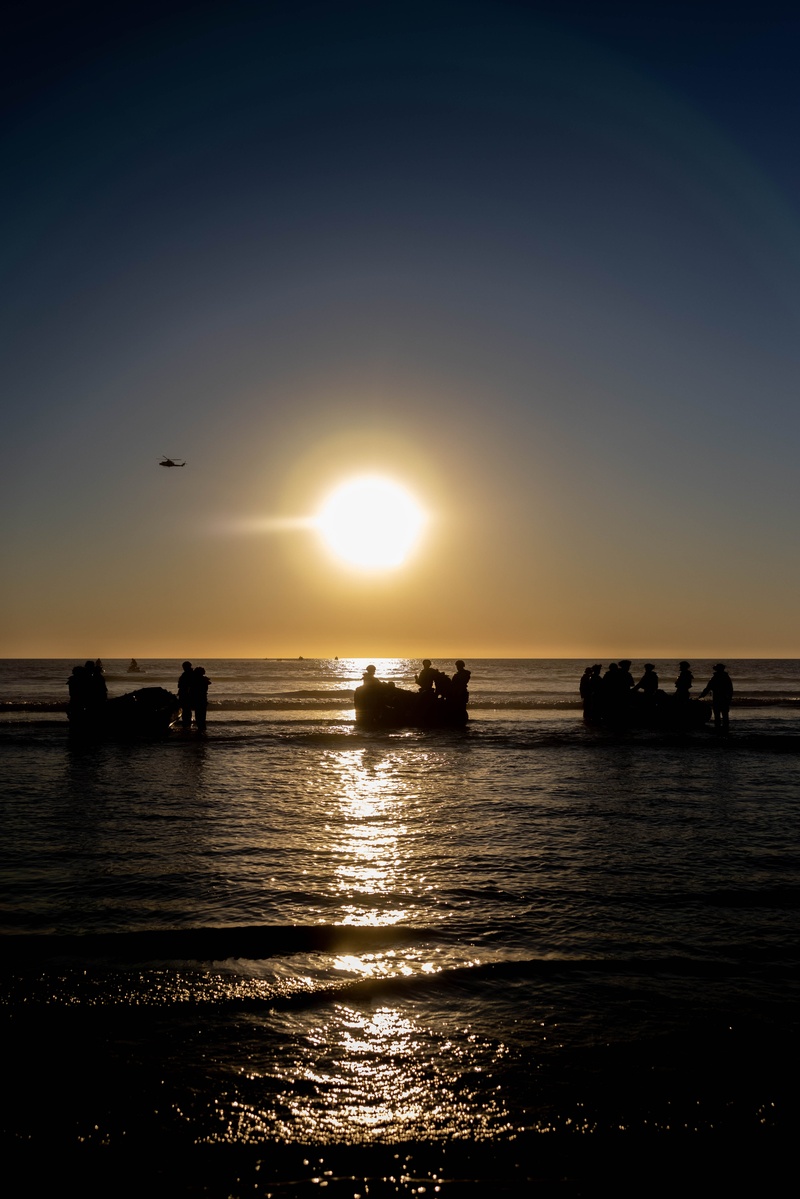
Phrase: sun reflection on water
(374, 1075)
(370, 839)
(366, 1066)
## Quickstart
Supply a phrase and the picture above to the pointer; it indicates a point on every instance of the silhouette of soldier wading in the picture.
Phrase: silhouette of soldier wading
(185, 694)
(87, 691)
(683, 683)
(720, 687)
(426, 676)
(458, 691)
(198, 694)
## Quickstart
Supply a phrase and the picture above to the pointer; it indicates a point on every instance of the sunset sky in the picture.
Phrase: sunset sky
(538, 264)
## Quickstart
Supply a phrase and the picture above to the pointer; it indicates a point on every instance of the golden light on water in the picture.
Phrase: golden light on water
(369, 1074)
(371, 522)
(372, 834)
(368, 1062)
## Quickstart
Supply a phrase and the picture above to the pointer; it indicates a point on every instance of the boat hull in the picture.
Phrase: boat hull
(381, 706)
(147, 712)
(660, 712)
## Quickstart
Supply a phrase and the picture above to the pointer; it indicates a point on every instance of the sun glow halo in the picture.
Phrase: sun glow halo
(370, 522)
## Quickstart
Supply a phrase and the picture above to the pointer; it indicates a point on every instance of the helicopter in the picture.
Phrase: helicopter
(165, 461)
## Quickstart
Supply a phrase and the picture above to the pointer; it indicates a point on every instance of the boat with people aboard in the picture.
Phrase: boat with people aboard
(147, 712)
(440, 702)
(614, 700)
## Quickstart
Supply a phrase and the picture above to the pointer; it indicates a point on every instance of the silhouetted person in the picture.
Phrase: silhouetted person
(683, 683)
(198, 695)
(441, 684)
(614, 685)
(424, 679)
(648, 683)
(185, 694)
(97, 691)
(374, 694)
(459, 693)
(625, 671)
(79, 686)
(100, 686)
(614, 693)
(591, 689)
(721, 689)
(134, 667)
(75, 682)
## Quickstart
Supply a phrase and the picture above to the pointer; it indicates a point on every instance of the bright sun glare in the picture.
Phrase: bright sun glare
(371, 522)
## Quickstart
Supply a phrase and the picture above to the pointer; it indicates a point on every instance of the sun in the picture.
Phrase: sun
(370, 522)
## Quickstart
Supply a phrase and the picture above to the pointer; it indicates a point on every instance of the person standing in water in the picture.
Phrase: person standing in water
(721, 689)
(199, 697)
(185, 694)
(424, 679)
(78, 684)
(683, 683)
(459, 683)
(97, 691)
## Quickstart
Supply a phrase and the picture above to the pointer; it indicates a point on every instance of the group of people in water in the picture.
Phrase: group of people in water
(87, 688)
(605, 695)
(433, 684)
(88, 692)
(193, 688)
(610, 692)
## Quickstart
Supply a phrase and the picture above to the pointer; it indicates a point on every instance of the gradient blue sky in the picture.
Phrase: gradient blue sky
(538, 262)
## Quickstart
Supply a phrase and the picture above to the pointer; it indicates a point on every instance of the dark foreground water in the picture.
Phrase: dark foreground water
(296, 956)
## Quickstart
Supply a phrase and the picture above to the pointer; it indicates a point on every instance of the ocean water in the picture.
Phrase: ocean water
(296, 954)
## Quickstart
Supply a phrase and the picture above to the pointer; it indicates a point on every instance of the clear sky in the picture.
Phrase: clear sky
(537, 263)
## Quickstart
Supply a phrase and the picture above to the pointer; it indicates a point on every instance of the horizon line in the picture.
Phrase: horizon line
(771, 657)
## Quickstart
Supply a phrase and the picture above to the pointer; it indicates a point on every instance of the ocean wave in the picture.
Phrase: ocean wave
(209, 944)
(514, 970)
(334, 700)
(317, 984)
(337, 700)
(33, 705)
(551, 704)
(282, 703)
(261, 942)
(337, 730)
(316, 692)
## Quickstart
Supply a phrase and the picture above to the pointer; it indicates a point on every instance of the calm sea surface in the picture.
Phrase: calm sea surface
(297, 935)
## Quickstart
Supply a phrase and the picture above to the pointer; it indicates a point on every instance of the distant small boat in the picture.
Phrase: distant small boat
(148, 712)
(135, 668)
(381, 705)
